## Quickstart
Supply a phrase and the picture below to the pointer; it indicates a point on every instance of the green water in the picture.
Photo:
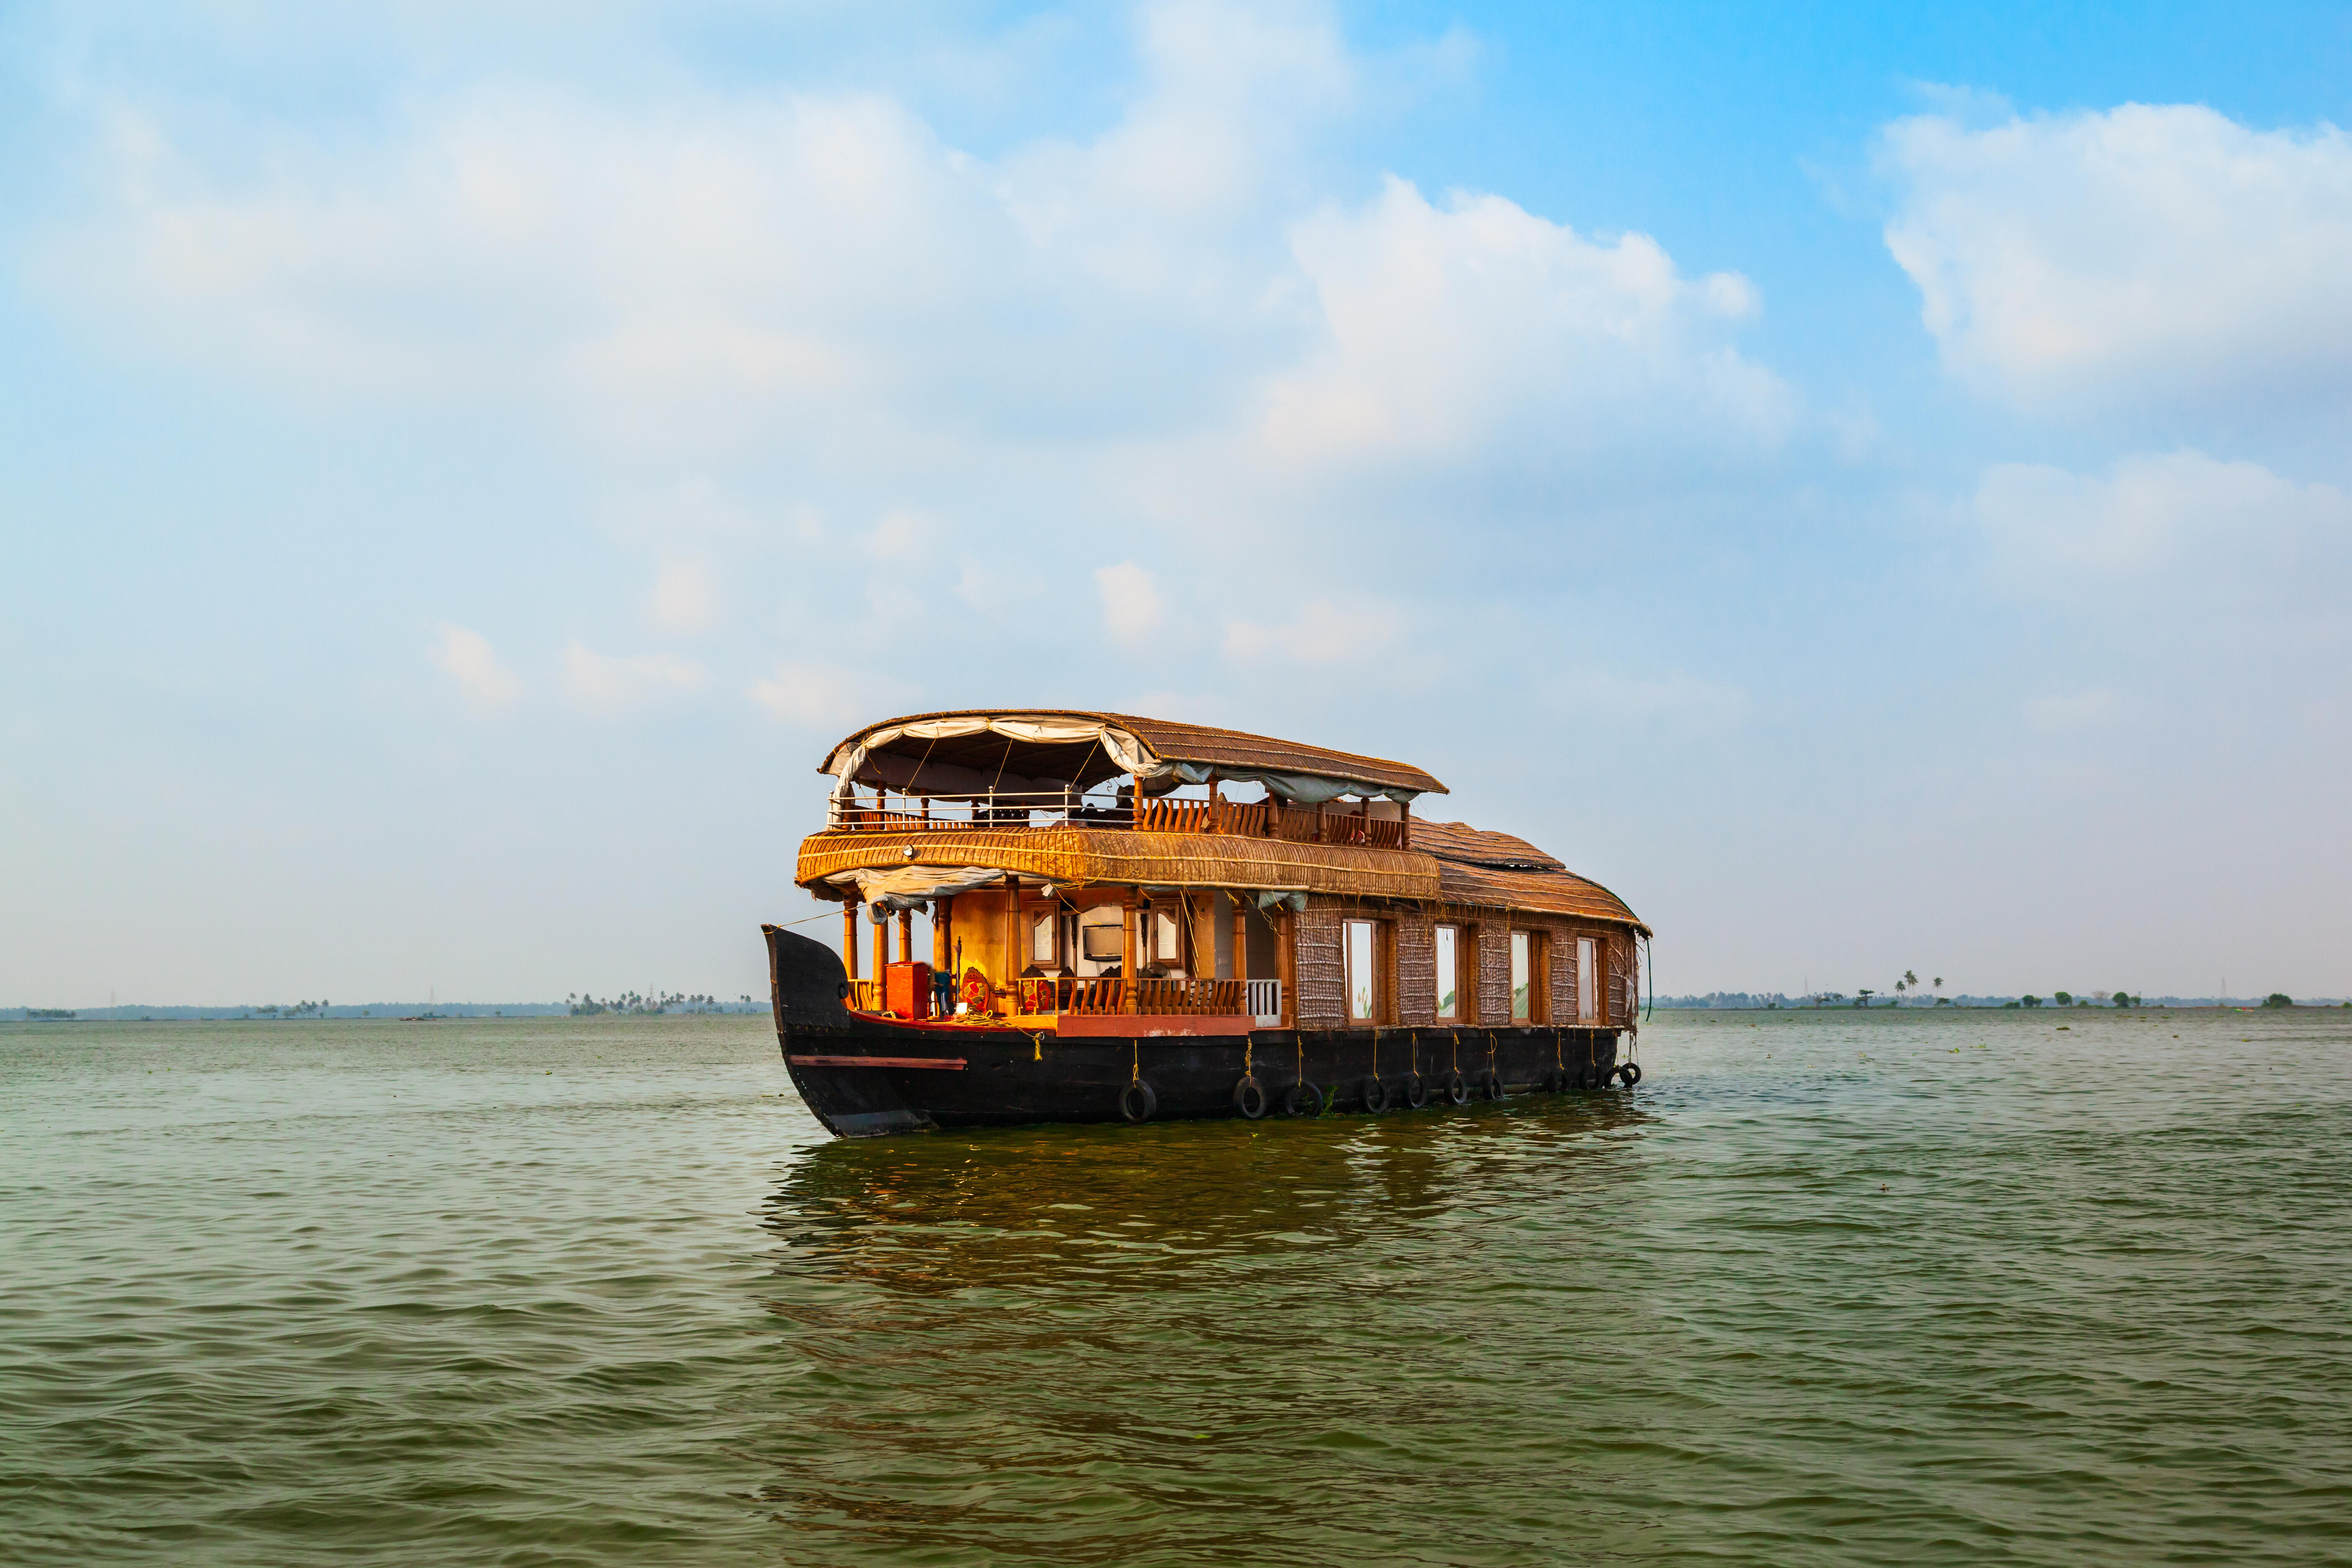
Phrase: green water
(1828, 1287)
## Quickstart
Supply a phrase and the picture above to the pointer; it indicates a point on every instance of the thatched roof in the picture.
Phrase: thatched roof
(1021, 747)
(1079, 857)
(1496, 870)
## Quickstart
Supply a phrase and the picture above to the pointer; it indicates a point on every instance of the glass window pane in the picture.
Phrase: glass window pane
(1041, 938)
(1165, 926)
(1445, 1004)
(1518, 975)
(1359, 969)
(1588, 983)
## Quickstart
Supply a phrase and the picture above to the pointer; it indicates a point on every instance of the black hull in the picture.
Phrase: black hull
(905, 1077)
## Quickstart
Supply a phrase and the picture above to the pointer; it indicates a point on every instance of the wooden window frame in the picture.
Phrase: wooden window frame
(1382, 957)
(1591, 1010)
(1511, 986)
(1460, 1015)
(1052, 915)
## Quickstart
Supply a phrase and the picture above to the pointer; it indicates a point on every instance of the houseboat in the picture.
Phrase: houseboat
(1132, 919)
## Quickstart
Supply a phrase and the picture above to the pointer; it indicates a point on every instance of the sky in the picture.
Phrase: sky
(1869, 485)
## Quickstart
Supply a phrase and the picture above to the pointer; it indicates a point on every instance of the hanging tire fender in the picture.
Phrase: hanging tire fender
(1136, 1102)
(1375, 1095)
(1249, 1097)
(1457, 1091)
(1302, 1099)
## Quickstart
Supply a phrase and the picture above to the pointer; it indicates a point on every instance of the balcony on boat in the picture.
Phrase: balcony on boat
(1366, 824)
(1051, 999)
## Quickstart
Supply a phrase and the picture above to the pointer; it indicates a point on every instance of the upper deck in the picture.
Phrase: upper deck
(939, 800)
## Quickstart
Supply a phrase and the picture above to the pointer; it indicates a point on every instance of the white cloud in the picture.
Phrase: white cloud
(820, 277)
(1131, 603)
(821, 696)
(2145, 254)
(2179, 520)
(1321, 632)
(2064, 712)
(1456, 330)
(1679, 699)
(687, 597)
(609, 685)
(902, 536)
(467, 658)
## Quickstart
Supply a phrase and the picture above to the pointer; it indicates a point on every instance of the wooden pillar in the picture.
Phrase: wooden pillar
(849, 936)
(881, 944)
(1203, 937)
(906, 935)
(1127, 952)
(942, 955)
(1012, 965)
(1405, 825)
(1286, 942)
(1241, 937)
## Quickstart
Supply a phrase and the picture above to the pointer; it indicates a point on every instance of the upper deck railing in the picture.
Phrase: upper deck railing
(881, 812)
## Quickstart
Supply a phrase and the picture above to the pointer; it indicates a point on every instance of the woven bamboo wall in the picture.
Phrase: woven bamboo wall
(1416, 967)
(1494, 972)
(1322, 979)
(1563, 975)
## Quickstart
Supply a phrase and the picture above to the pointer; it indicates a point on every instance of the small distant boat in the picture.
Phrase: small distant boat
(1115, 936)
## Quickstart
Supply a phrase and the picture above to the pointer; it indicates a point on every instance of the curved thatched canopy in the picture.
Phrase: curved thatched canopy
(1032, 750)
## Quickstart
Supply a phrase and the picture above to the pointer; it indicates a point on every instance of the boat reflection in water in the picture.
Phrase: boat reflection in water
(1188, 1341)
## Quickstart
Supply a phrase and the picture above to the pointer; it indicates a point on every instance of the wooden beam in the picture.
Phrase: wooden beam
(849, 937)
(881, 945)
(1241, 937)
(1013, 965)
(1126, 949)
(906, 935)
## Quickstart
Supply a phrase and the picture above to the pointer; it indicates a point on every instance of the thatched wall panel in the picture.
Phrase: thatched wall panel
(1416, 967)
(1320, 967)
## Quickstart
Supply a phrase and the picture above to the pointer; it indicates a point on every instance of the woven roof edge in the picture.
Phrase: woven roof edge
(1176, 740)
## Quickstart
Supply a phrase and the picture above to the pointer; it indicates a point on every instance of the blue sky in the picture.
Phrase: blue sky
(1869, 486)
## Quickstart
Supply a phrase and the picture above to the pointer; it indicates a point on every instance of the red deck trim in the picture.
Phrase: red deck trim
(946, 1063)
(1082, 1026)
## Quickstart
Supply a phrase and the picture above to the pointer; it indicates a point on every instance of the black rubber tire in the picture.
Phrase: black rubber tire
(1493, 1088)
(1136, 1102)
(1416, 1091)
(1375, 1094)
(1302, 1099)
(1629, 1073)
(1458, 1092)
(1249, 1097)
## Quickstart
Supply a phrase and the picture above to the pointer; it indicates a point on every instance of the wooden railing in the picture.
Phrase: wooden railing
(1257, 819)
(1111, 996)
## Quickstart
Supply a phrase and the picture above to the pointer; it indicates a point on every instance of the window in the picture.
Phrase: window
(1588, 980)
(1045, 948)
(1158, 938)
(1522, 974)
(1449, 949)
(1363, 946)
(1102, 944)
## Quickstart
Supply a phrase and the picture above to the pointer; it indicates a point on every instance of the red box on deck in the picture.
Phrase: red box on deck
(907, 990)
